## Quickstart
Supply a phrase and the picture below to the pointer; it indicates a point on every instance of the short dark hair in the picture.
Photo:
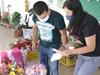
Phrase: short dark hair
(39, 7)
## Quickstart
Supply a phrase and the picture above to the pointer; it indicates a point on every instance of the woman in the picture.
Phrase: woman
(86, 30)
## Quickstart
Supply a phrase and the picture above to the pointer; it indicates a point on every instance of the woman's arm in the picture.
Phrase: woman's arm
(91, 44)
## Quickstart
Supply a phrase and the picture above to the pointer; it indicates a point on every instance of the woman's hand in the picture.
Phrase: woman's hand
(66, 53)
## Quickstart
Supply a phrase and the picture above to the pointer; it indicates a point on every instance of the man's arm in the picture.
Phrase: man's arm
(64, 38)
(34, 37)
(35, 31)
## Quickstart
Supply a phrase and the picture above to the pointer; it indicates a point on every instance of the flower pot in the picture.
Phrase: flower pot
(18, 33)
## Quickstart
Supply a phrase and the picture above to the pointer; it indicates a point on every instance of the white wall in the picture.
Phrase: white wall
(18, 5)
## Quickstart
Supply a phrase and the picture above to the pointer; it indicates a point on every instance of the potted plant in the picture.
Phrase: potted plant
(6, 19)
(16, 16)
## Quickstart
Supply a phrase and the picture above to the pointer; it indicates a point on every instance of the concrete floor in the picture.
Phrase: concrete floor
(6, 37)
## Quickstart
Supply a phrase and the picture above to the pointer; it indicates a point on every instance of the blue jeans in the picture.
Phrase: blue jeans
(45, 56)
(86, 65)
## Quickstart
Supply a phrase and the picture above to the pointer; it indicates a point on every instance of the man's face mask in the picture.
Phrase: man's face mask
(44, 19)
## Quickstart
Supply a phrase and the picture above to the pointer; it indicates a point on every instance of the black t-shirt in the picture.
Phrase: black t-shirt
(89, 27)
(49, 31)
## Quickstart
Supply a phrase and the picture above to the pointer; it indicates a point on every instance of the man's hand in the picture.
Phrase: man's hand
(35, 42)
(35, 45)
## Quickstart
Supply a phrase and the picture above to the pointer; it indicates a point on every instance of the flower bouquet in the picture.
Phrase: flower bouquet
(36, 69)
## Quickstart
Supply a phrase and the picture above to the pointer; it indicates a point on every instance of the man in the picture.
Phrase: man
(51, 27)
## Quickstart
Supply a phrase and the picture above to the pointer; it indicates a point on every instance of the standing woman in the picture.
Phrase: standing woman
(86, 30)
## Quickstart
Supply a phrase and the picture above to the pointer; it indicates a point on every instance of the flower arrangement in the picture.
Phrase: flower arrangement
(15, 69)
(22, 44)
(25, 46)
(36, 69)
(9, 67)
